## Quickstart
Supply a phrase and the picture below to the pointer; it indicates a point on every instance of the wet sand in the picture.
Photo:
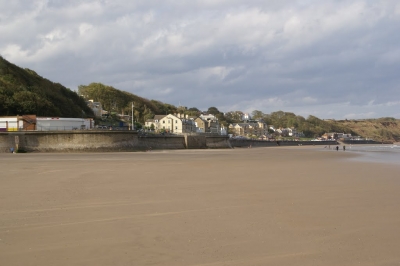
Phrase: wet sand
(260, 206)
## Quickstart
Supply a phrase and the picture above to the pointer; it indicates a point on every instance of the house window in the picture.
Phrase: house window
(169, 121)
(163, 122)
(176, 121)
(176, 127)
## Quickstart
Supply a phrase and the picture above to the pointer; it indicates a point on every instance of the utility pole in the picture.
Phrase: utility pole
(133, 125)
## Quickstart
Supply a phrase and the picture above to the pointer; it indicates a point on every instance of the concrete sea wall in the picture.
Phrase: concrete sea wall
(245, 143)
(92, 141)
(362, 142)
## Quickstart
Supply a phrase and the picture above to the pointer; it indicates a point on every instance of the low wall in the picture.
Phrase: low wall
(195, 141)
(205, 141)
(362, 142)
(218, 142)
(84, 141)
(91, 141)
(245, 143)
(160, 142)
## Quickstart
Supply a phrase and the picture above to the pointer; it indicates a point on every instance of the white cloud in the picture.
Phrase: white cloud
(14, 52)
(302, 55)
(84, 28)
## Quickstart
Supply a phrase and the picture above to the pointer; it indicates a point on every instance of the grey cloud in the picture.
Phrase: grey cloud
(298, 56)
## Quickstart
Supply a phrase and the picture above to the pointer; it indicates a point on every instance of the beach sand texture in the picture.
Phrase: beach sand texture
(264, 206)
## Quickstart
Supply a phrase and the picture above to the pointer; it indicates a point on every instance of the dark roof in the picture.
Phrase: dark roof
(159, 117)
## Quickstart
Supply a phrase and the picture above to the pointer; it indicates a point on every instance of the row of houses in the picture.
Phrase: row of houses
(205, 123)
(287, 132)
(260, 130)
(337, 136)
(180, 123)
(257, 129)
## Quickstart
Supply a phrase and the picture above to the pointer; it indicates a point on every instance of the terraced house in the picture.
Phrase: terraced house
(172, 123)
(250, 129)
(207, 124)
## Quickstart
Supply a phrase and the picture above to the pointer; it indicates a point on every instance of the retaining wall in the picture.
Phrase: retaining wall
(362, 142)
(245, 143)
(218, 142)
(89, 141)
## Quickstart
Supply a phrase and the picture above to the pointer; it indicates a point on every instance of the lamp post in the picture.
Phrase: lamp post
(133, 125)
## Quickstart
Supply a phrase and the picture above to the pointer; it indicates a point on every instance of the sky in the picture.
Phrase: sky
(334, 59)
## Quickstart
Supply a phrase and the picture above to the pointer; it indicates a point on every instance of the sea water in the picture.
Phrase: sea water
(376, 153)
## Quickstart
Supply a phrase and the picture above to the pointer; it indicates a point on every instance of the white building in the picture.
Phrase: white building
(11, 123)
(177, 124)
(57, 123)
(31, 122)
(246, 117)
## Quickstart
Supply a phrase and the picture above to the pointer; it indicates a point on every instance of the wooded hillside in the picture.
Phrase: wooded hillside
(120, 102)
(385, 129)
(23, 91)
(381, 129)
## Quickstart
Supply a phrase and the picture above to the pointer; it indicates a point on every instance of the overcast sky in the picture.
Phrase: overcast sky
(332, 58)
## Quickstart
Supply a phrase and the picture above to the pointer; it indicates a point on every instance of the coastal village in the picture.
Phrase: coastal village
(37, 104)
(175, 123)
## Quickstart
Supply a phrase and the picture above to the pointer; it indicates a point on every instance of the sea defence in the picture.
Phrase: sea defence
(92, 141)
(367, 141)
(102, 141)
(248, 143)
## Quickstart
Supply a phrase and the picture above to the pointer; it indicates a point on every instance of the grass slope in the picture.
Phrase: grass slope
(23, 91)
(381, 129)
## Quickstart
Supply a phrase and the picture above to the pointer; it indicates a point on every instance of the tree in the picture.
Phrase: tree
(114, 100)
(213, 110)
(164, 108)
(147, 113)
(181, 109)
(257, 115)
(234, 116)
(23, 91)
(193, 111)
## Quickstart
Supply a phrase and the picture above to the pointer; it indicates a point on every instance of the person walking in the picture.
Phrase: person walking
(344, 148)
(337, 148)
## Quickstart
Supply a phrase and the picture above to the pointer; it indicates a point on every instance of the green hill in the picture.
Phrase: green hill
(386, 129)
(117, 101)
(23, 91)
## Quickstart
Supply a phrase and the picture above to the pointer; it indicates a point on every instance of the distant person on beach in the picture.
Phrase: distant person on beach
(344, 148)
(337, 148)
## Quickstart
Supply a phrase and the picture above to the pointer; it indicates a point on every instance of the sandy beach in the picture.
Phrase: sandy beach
(261, 206)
